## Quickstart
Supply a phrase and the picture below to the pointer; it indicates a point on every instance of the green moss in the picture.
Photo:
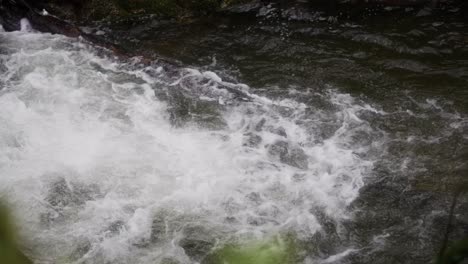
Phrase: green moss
(274, 251)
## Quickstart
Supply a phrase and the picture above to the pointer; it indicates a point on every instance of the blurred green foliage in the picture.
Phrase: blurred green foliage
(9, 252)
(274, 251)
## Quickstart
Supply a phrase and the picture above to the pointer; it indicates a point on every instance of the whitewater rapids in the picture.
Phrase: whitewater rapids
(100, 169)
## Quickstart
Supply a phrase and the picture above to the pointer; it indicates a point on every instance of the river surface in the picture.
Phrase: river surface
(347, 136)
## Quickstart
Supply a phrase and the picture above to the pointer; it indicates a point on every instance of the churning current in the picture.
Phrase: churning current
(110, 161)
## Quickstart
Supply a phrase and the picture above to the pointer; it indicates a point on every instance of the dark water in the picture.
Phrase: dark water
(390, 90)
(414, 69)
(375, 56)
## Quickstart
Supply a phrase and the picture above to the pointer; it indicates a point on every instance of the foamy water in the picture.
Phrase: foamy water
(98, 172)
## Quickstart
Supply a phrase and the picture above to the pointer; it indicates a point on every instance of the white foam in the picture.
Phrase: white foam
(62, 117)
(25, 25)
(213, 76)
(339, 256)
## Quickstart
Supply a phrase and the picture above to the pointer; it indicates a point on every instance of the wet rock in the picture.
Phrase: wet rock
(197, 242)
(11, 13)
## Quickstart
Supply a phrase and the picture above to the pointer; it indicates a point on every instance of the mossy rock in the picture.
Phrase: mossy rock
(273, 251)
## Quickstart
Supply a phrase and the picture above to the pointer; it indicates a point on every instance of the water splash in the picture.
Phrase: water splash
(25, 25)
(95, 165)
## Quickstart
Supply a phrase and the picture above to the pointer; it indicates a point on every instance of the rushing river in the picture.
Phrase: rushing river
(346, 137)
